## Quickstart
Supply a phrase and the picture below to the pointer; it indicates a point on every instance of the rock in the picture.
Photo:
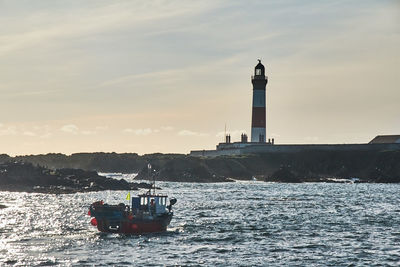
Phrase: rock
(182, 169)
(20, 176)
(284, 175)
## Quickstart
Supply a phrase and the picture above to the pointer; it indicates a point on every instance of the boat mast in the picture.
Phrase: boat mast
(154, 178)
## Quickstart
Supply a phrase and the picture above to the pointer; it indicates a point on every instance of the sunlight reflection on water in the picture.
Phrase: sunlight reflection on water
(243, 223)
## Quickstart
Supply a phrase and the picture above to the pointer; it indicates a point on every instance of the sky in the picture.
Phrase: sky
(167, 76)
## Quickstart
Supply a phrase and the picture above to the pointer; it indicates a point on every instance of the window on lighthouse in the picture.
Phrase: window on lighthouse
(258, 71)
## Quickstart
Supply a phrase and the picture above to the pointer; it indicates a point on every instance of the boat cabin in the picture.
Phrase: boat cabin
(154, 204)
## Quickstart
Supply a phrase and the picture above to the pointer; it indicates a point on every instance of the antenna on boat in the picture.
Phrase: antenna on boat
(154, 178)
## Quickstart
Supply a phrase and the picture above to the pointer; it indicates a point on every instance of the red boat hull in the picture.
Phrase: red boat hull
(135, 226)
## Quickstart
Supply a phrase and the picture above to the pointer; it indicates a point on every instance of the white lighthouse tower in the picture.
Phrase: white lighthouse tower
(258, 121)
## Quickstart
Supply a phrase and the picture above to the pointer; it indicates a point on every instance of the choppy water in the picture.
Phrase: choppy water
(232, 224)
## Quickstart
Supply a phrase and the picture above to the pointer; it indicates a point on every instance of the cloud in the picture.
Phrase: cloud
(77, 21)
(128, 130)
(29, 133)
(145, 131)
(96, 130)
(73, 129)
(88, 132)
(46, 135)
(70, 128)
(101, 128)
(10, 130)
(167, 128)
(191, 133)
(24, 130)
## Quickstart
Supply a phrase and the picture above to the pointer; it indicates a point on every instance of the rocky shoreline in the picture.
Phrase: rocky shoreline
(304, 166)
(307, 166)
(25, 177)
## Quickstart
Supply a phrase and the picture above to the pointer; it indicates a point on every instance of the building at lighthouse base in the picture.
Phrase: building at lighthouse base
(242, 148)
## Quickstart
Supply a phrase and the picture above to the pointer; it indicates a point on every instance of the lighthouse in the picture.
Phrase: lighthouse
(258, 121)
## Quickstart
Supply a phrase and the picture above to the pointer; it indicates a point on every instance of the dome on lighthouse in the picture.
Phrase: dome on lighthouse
(259, 70)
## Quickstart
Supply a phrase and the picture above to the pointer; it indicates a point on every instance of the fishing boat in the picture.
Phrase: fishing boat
(148, 213)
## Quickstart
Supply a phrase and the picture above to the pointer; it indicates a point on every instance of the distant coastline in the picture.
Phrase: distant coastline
(304, 166)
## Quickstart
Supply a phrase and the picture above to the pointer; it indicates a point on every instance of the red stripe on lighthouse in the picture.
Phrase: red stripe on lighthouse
(258, 117)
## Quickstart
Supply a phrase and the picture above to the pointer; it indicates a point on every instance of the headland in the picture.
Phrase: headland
(374, 166)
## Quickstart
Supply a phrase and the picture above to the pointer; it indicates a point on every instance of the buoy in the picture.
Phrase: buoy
(134, 226)
(88, 213)
(93, 221)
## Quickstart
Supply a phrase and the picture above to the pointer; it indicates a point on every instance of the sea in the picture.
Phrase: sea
(214, 224)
